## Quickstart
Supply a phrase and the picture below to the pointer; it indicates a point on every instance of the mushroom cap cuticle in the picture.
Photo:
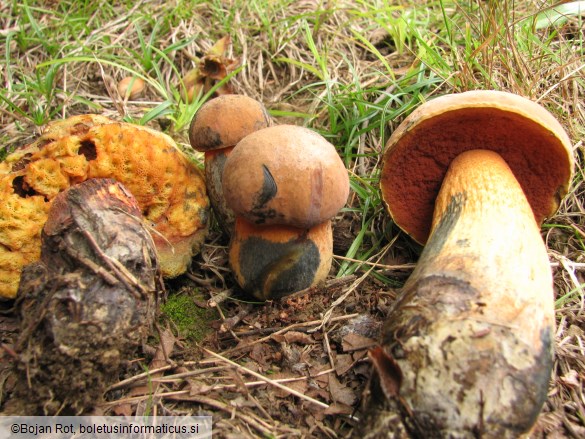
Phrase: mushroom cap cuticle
(223, 121)
(287, 175)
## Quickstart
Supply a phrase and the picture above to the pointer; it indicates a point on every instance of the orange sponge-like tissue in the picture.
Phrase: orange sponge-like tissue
(169, 188)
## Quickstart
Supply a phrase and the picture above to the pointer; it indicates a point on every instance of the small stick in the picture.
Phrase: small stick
(268, 380)
(283, 330)
(142, 375)
(219, 298)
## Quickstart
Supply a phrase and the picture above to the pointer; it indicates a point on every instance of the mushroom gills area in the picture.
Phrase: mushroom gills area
(472, 328)
(419, 155)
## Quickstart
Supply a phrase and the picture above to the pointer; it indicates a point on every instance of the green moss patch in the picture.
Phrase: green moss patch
(192, 321)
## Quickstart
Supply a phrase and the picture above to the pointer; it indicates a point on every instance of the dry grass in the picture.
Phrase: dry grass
(353, 71)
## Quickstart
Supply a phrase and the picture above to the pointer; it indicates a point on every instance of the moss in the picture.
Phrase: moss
(192, 321)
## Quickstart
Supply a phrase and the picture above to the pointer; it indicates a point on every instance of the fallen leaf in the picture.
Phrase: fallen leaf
(299, 386)
(339, 409)
(262, 354)
(341, 393)
(295, 337)
(354, 342)
(198, 387)
(238, 381)
(343, 363)
(388, 370)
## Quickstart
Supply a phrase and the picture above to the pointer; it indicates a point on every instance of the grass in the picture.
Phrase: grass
(351, 70)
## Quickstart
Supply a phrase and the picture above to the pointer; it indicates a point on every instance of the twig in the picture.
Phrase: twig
(171, 378)
(264, 429)
(374, 264)
(268, 380)
(333, 283)
(229, 323)
(132, 379)
(283, 330)
(219, 298)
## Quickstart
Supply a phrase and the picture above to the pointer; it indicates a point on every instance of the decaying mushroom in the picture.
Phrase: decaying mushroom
(170, 190)
(468, 345)
(284, 184)
(87, 304)
(212, 68)
(215, 129)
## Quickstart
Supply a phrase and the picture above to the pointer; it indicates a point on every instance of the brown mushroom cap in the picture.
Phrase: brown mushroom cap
(224, 121)
(285, 175)
(418, 153)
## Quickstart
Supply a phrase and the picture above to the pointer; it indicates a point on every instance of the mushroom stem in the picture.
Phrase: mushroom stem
(472, 330)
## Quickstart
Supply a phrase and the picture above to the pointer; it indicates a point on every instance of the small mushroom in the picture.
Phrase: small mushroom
(130, 87)
(168, 187)
(215, 129)
(470, 338)
(284, 184)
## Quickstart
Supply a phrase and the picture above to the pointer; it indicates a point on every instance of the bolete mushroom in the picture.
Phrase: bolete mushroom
(472, 332)
(87, 304)
(170, 189)
(130, 87)
(215, 129)
(284, 184)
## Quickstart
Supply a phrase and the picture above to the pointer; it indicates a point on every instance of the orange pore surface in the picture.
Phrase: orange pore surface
(418, 155)
(169, 189)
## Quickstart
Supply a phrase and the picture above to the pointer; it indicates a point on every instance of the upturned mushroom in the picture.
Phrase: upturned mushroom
(284, 184)
(168, 187)
(87, 304)
(467, 347)
(215, 129)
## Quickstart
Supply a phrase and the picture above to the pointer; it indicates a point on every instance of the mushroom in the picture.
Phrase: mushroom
(87, 304)
(130, 87)
(284, 184)
(169, 189)
(215, 129)
(470, 338)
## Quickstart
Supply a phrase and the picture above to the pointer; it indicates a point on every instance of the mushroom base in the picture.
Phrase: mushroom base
(87, 305)
(270, 262)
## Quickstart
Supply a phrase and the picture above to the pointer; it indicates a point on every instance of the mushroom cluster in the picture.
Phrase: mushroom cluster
(472, 175)
(274, 190)
(284, 184)
(169, 189)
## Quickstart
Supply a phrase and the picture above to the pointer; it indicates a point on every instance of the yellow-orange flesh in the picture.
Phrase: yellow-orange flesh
(168, 187)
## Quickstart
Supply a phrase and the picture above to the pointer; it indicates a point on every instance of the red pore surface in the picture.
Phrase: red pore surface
(420, 151)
